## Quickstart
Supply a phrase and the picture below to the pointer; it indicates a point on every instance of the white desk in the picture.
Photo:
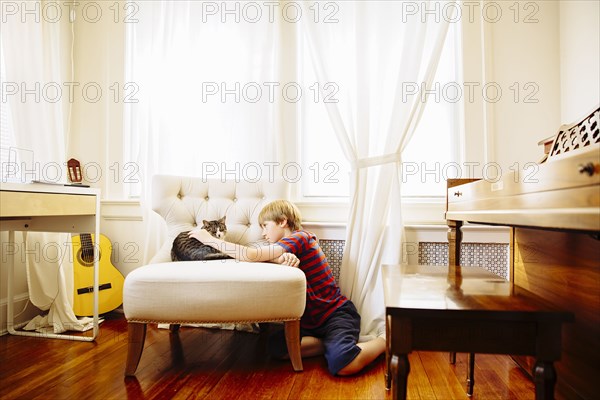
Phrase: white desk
(49, 208)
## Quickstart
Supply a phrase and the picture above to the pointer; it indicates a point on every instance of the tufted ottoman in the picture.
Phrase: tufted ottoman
(213, 292)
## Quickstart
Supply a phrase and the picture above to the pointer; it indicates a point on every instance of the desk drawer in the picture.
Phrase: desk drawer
(28, 204)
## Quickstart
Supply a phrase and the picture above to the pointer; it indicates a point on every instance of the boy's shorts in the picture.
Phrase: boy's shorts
(339, 334)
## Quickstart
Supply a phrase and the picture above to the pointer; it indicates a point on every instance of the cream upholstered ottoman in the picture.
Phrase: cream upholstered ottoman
(213, 292)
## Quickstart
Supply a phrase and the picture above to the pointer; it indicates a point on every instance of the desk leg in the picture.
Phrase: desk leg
(544, 377)
(10, 317)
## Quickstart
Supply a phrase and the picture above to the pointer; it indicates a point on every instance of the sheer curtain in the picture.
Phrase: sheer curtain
(38, 61)
(207, 96)
(371, 50)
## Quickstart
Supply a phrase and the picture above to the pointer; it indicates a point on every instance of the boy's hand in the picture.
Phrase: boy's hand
(202, 235)
(289, 259)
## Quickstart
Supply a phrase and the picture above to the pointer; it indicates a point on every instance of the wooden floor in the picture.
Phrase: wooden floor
(214, 364)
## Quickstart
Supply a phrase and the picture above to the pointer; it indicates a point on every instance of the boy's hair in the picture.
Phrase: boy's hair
(279, 210)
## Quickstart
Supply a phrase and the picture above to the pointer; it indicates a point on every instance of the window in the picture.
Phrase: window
(430, 157)
(206, 91)
(427, 161)
(208, 117)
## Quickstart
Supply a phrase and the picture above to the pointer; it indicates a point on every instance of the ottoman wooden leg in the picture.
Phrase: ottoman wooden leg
(292, 339)
(135, 347)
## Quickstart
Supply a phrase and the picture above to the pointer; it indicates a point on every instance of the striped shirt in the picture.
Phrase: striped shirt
(323, 296)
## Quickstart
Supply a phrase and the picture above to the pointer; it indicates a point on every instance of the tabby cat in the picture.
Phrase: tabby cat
(186, 248)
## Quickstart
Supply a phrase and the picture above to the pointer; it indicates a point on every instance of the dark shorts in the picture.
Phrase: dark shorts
(339, 334)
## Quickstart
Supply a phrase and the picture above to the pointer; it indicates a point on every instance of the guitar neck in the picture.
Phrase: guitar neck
(87, 247)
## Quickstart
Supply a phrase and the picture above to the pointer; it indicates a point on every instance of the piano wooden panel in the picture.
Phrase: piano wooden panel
(555, 247)
(564, 268)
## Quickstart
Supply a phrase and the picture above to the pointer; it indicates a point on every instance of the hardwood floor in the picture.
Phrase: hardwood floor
(214, 364)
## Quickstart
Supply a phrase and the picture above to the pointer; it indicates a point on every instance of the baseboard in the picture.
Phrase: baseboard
(23, 311)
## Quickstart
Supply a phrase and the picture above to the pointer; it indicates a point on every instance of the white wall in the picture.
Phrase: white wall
(579, 58)
(526, 59)
(511, 49)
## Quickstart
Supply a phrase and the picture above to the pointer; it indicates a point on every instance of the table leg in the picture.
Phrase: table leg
(470, 374)
(454, 242)
(544, 377)
(388, 350)
(452, 357)
(399, 368)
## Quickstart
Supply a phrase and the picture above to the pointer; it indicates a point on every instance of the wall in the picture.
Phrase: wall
(511, 54)
(579, 58)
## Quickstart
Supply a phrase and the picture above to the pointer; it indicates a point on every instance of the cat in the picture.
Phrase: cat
(186, 248)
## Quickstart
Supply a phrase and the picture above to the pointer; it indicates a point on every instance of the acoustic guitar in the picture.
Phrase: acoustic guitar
(110, 283)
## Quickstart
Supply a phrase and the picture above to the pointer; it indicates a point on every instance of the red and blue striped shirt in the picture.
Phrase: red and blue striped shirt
(323, 296)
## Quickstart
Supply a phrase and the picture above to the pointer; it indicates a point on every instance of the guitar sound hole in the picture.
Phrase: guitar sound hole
(86, 257)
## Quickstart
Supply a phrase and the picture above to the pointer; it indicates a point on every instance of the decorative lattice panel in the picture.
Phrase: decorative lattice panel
(577, 136)
(492, 256)
(334, 250)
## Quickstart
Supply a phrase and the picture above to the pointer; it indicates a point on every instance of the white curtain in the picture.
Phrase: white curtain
(37, 63)
(205, 96)
(371, 51)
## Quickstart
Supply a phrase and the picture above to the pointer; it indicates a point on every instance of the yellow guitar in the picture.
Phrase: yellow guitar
(110, 283)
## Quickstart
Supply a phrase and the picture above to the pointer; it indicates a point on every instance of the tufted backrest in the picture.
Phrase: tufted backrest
(183, 202)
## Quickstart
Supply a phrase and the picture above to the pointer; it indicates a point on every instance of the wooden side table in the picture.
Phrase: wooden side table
(468, 310)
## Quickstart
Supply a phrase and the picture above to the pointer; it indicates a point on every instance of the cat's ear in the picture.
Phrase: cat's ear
(204, 223)
(222, 220)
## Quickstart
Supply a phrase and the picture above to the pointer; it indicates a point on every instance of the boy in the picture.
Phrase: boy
(330, 324)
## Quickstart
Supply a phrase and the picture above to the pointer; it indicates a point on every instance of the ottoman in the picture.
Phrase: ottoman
(220, 291)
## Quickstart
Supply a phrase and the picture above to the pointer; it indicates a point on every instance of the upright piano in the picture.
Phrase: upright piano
(554, 214)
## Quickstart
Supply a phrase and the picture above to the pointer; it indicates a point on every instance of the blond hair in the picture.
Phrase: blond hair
(280, 210)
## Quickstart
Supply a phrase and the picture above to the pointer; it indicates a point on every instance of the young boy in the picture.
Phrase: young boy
(330, 324)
